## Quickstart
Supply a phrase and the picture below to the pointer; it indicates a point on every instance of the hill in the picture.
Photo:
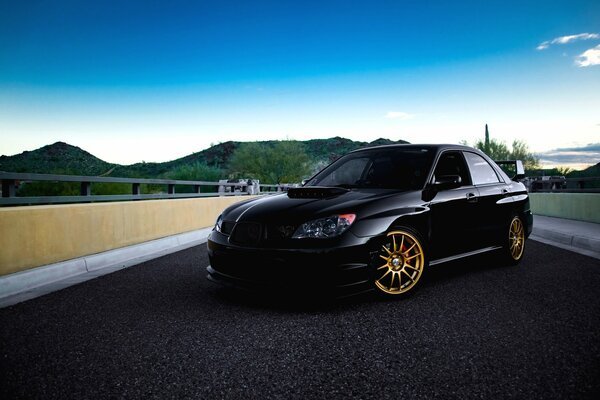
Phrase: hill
(592, 171)
(57, 158)
(62, 158)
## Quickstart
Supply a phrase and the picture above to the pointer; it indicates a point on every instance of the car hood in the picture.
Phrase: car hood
(297, 208)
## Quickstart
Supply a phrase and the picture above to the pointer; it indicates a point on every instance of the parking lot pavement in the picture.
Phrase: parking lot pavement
(160, 330)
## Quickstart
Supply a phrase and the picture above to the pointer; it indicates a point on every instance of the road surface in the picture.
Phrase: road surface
(161, 330)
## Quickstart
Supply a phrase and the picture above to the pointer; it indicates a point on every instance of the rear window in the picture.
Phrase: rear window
(482, 172)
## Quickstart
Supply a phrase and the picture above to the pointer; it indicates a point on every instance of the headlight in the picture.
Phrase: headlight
(218, 223)
(324, 228)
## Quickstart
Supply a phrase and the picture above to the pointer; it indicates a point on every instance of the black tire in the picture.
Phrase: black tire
(400, 263)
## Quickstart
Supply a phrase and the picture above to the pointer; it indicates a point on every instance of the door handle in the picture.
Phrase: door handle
(471, 197)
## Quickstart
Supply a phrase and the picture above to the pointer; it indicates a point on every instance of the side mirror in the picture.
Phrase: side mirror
(443, 182)
(446, 182)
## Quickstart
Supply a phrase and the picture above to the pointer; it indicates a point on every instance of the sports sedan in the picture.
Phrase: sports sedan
(375, 219)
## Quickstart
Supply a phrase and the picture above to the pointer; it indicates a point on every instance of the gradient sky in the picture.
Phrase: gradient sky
(156, 80)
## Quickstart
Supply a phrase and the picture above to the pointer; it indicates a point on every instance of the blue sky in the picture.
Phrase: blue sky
(157, 80)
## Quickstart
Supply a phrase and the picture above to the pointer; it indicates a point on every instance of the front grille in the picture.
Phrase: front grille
(246, 233)
(275, 233)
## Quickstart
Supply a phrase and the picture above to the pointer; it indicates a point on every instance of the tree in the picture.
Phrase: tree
(497, 150)
(520, 151)
(197, 171)
(284, 162)
(564, 170)
(494, 149)
(486, 145)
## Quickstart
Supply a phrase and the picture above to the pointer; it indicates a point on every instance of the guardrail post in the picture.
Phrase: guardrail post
(222, 188)
(196, 188)
(135, 189)
(171, 189)
(86, 189)
(9, 188)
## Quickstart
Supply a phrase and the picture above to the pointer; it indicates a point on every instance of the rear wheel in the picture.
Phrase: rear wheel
(400, 262)
(515, 245)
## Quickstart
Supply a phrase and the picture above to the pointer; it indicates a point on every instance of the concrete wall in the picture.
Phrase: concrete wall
(578, 206)
(33, 236)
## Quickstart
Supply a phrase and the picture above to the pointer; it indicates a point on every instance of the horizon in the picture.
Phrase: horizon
(135, 81)
(573, 167)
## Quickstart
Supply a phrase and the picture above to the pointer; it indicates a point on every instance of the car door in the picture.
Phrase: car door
(493, 212)
(453, 211)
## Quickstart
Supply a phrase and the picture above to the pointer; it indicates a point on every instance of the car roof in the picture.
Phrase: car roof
(434, 147)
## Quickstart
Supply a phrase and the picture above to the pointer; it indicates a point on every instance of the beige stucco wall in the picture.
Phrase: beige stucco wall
(33, 236)
(579, 206)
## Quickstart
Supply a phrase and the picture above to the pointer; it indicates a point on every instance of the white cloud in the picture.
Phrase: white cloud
(582, 156)
(589, 57)
(571, 38)
(543, 45)
(399, 115)
(567, 39)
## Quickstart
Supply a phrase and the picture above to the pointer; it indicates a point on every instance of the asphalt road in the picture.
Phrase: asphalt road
(160, 330)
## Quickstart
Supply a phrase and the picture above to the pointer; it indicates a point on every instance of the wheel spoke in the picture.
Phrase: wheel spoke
(384, 275)
(411, 267)
(394, 242)
(384, 258)
(383, 266)
(413, 256)
(387, 250)
(399, 281)
(392, 281)
(409, 277)
(411, 247)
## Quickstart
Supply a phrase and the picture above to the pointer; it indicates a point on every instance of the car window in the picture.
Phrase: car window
(481, 171)
(452, 163)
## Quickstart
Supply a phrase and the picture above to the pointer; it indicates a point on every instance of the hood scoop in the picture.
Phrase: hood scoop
(315, 192)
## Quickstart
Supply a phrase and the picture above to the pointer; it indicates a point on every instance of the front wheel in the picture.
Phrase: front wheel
(400, 262)
(515, 244)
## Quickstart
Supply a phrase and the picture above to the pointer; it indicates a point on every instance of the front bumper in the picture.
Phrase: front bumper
(338, 269)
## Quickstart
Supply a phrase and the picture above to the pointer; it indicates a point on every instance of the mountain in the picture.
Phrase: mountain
(592, 171)
(57, 158)
(63, 158)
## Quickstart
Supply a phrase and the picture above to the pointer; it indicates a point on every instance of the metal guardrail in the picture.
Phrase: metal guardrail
(561, 184)
(12, 180)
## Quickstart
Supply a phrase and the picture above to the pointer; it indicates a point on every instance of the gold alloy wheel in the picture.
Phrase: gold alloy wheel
(404, 263)
(516, 238)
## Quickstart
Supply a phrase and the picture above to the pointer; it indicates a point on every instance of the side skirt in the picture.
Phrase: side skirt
(463, 255)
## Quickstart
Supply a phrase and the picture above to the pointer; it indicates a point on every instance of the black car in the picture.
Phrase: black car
(376, 218)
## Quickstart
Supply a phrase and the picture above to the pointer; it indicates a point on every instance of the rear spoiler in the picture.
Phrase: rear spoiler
(513, 168)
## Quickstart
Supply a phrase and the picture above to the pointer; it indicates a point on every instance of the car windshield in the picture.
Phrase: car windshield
(391, 168)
